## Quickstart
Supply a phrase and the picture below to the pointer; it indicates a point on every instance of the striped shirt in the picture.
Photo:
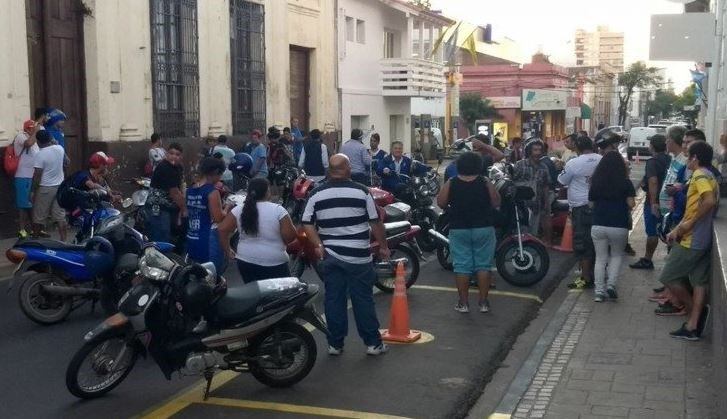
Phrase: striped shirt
(342, 211)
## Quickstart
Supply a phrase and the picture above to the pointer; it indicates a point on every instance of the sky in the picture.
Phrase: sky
(550, 25)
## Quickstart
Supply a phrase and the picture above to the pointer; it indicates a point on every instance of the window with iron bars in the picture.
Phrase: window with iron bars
(175, 67)
(247, 49)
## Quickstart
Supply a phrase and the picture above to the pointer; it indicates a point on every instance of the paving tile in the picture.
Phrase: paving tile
(570, 397)
(658, 360)
(628, 388)
(665, 393)
(675, 405)
(603, 375)
(588, 385)
(609, 358)
(610, 411)
(607, 398)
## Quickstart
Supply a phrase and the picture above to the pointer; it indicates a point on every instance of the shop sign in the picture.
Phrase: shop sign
(545, 100)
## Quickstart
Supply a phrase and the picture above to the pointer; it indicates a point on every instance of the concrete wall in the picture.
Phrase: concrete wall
(718, 299)
(14, 91)
(215, 83)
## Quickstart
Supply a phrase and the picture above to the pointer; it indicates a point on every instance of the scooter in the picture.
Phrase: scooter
(186, 318)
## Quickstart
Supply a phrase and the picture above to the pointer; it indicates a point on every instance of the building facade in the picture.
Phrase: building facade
(596, 88)
(386, 71)
(600, 47)
(188, 69)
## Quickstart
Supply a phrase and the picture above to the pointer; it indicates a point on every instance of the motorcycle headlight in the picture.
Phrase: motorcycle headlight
(154, 265)
(418, 181)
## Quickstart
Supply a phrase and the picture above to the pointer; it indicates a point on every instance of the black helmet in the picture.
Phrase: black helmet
(529, 143)
(195, 290)
(606, 137)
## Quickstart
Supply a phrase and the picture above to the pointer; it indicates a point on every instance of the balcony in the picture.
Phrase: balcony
(412, 77)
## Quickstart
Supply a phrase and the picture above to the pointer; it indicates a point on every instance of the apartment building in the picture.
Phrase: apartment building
(601, 46)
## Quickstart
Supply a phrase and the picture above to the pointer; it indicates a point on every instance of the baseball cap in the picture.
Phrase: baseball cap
(28, 125)
(99, 159)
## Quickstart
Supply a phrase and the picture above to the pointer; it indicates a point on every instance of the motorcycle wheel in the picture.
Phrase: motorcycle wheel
(296, 266)
(92, 372)
(443, 254)
(425, 241)
(411, 273)
(526, 271)
(291, 353)
(40, 307)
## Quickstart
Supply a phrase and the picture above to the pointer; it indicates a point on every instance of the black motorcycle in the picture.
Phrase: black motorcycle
(419, 193)
(187, 320)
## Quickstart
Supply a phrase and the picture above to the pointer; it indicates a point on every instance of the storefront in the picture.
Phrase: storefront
(544, 113)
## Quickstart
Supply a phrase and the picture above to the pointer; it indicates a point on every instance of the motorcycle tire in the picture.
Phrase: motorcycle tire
(522, 273)
(296, 266)
(387, 284)
(32, 301)
(443, 255)
(264, 344)
(426, 242)
(98, 365)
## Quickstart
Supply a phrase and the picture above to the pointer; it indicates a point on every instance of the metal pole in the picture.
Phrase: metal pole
(714, 77)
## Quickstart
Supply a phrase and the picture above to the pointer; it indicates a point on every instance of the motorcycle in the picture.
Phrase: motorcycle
(295, 202)
(135, 210)
(521, 259)
(56, 278)
(186, 318)
(419, 193)
(285, 177)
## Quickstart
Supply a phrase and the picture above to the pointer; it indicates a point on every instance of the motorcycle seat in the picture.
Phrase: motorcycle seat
(560, 205)
(237, 302)
(394, 214)
(240, 304)
(49, 244)
(399, 227)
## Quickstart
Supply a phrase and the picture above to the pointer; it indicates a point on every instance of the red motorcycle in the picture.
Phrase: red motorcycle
(295, 201)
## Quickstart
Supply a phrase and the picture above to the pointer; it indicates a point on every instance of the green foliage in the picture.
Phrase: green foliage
(638, 75)
(663, 105)
(473, 107)
(688, 97)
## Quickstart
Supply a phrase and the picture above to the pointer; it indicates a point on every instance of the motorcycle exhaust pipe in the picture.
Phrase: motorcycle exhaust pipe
(70, 291)
(441, 238)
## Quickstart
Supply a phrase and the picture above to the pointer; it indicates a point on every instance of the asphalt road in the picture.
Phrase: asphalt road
(441, 378)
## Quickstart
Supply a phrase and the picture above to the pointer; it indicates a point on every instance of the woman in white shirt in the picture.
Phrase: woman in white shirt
(265, 229)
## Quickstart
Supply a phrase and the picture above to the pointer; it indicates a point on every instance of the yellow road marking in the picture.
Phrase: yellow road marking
(294, 408)
(492, 292)
(499, 416)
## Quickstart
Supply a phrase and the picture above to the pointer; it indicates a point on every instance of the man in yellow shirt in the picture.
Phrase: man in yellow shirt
(690, 254)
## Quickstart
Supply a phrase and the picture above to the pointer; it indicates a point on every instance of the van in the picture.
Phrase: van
(639, 141)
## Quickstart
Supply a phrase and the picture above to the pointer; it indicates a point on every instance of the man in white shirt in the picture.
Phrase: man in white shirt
(47, 178)
(156, 153)
(25, 148)
(227, 155)
(577, 177)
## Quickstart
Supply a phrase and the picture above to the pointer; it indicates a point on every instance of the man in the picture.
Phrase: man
(47, 177)
(40, 116)
(314, 157)
(259, 154)
(692, 242)
(554, 167)
(481, 145)
(655, 172)
(226, 153)
(25, 148)
(531, 172)
(297, 135)
(516, 150)
(55, 124)
(345, 214)
(576, 176)
(677, 151)
(570, 148)
(156, 153)
(166, 203)
(358, 156)
(397, 164)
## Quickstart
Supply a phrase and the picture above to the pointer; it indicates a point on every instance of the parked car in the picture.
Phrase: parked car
(619, 129)
(639, 141)
(660, 128)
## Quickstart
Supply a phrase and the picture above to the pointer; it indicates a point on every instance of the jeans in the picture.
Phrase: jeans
(603, 238)
(342, 279)
(159, 227)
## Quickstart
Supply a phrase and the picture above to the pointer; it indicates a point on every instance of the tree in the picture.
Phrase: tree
(473, 107)
(688, 98)
(424, 4)
(663, 105)
(637, 76)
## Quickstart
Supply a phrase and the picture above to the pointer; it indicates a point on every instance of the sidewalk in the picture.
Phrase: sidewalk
(616, 359)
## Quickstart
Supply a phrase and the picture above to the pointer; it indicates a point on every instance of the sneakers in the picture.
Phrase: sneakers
(580, 283)
(683, 333)
(599, 298)
(642, 264)
(462, 308)
(703, 319)
(669, 309)
(379, 349)
(612, 294)
(333, 351)
(485, 307)
(629, 250)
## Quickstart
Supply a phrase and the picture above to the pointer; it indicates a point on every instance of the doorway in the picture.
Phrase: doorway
(300, 85)
(56, 58)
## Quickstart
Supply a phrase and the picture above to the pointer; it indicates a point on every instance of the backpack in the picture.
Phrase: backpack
(11, 160)
(69, 196)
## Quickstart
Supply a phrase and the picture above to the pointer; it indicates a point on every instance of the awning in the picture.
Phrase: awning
(586, 111)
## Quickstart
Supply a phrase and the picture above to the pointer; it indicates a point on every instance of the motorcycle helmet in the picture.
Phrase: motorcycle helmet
(241, 164)
(99, 159)
(529, 143)
(665, 226)
(99, 257)
(195, 289)
(606, 137)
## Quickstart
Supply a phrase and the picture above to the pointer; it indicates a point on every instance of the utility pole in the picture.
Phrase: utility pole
(715, 73)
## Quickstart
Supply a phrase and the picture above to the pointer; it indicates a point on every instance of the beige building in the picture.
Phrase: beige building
(600, 47)
(123, 69)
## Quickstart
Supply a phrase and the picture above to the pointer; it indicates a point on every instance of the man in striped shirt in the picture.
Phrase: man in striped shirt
(345, 214)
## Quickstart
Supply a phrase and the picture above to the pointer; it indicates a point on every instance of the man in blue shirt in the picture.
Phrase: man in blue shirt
(297, 134)
(259, 154)
(358, 156)
(397, 164)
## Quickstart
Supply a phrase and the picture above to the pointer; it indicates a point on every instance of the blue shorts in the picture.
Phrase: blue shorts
(472, 249)
(22, 192)
(650, 221)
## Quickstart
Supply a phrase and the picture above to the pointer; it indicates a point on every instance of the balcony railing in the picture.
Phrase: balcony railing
(412, 77)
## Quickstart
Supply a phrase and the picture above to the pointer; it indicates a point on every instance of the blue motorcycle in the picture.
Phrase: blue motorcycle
(56, 278)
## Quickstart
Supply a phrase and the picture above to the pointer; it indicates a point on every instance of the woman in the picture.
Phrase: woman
(265, 229)
(471, 199)
(612, 195)
(204, 206)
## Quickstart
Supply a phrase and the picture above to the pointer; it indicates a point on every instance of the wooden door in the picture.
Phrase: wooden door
(56, 60)
(299, 86)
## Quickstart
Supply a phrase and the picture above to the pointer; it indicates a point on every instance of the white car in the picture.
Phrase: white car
(639, 141)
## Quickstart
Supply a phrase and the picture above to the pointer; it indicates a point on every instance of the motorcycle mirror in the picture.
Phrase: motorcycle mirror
(126, 203)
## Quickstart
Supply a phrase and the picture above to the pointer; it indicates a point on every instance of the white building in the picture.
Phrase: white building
(385, 73)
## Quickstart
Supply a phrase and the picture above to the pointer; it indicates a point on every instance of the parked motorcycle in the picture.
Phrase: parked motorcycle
(187, 320)
(135, 214)
(285, 177)
(521, 259)
(419, 193)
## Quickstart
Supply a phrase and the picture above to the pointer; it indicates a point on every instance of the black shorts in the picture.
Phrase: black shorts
(582, 241)
(251, 272)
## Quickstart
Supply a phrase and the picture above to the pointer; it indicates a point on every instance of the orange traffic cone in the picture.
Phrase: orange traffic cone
(566, 242)
(398, 330)
(637, 158)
